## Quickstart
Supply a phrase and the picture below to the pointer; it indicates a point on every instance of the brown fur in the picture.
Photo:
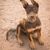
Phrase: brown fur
(28, 28)
(11, 33)
(31, 25)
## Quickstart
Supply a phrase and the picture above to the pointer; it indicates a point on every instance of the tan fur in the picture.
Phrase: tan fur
(31, 25)
(31, 31)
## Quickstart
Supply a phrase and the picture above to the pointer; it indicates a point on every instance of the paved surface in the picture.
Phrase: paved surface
(11, 11)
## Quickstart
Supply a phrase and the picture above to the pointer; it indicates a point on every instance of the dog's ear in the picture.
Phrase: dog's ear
(24, 3)
(32, 1)
(35, 3)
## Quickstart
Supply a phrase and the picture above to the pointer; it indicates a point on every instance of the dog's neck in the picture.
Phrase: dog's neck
(29, 20)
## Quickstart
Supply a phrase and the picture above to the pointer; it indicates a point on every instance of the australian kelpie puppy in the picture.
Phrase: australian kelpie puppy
(31, 26)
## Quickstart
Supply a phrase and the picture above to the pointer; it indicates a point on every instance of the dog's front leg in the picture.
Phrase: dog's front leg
(31, 42)
(19, 36)
(39, 37)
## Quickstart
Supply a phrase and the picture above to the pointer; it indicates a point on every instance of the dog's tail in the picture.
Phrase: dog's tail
(9, 32)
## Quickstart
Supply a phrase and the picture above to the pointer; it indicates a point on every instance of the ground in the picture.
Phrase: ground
(11, 12)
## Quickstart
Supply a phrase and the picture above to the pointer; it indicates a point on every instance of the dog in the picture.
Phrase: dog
(31, 26)
(32, 30)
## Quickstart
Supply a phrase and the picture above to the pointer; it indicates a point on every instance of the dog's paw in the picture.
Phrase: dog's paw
(40, 42)
(21, 43)
(32, 45)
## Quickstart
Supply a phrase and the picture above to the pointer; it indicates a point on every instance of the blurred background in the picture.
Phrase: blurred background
(11, 12)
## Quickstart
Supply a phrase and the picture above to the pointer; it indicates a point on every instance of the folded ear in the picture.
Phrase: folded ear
(24, 3)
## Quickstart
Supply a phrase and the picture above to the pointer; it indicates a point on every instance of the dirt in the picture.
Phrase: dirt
(11, 12)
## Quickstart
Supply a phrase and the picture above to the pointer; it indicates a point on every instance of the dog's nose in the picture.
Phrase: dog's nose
(32, 16)
(20, 0)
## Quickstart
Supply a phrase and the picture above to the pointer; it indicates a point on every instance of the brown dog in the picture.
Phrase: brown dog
(31, 25)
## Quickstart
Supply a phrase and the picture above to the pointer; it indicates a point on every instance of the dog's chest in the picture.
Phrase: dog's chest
(29, 25)
(35, 24)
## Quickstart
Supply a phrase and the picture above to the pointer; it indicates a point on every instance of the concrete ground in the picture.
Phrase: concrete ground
(11, 12)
